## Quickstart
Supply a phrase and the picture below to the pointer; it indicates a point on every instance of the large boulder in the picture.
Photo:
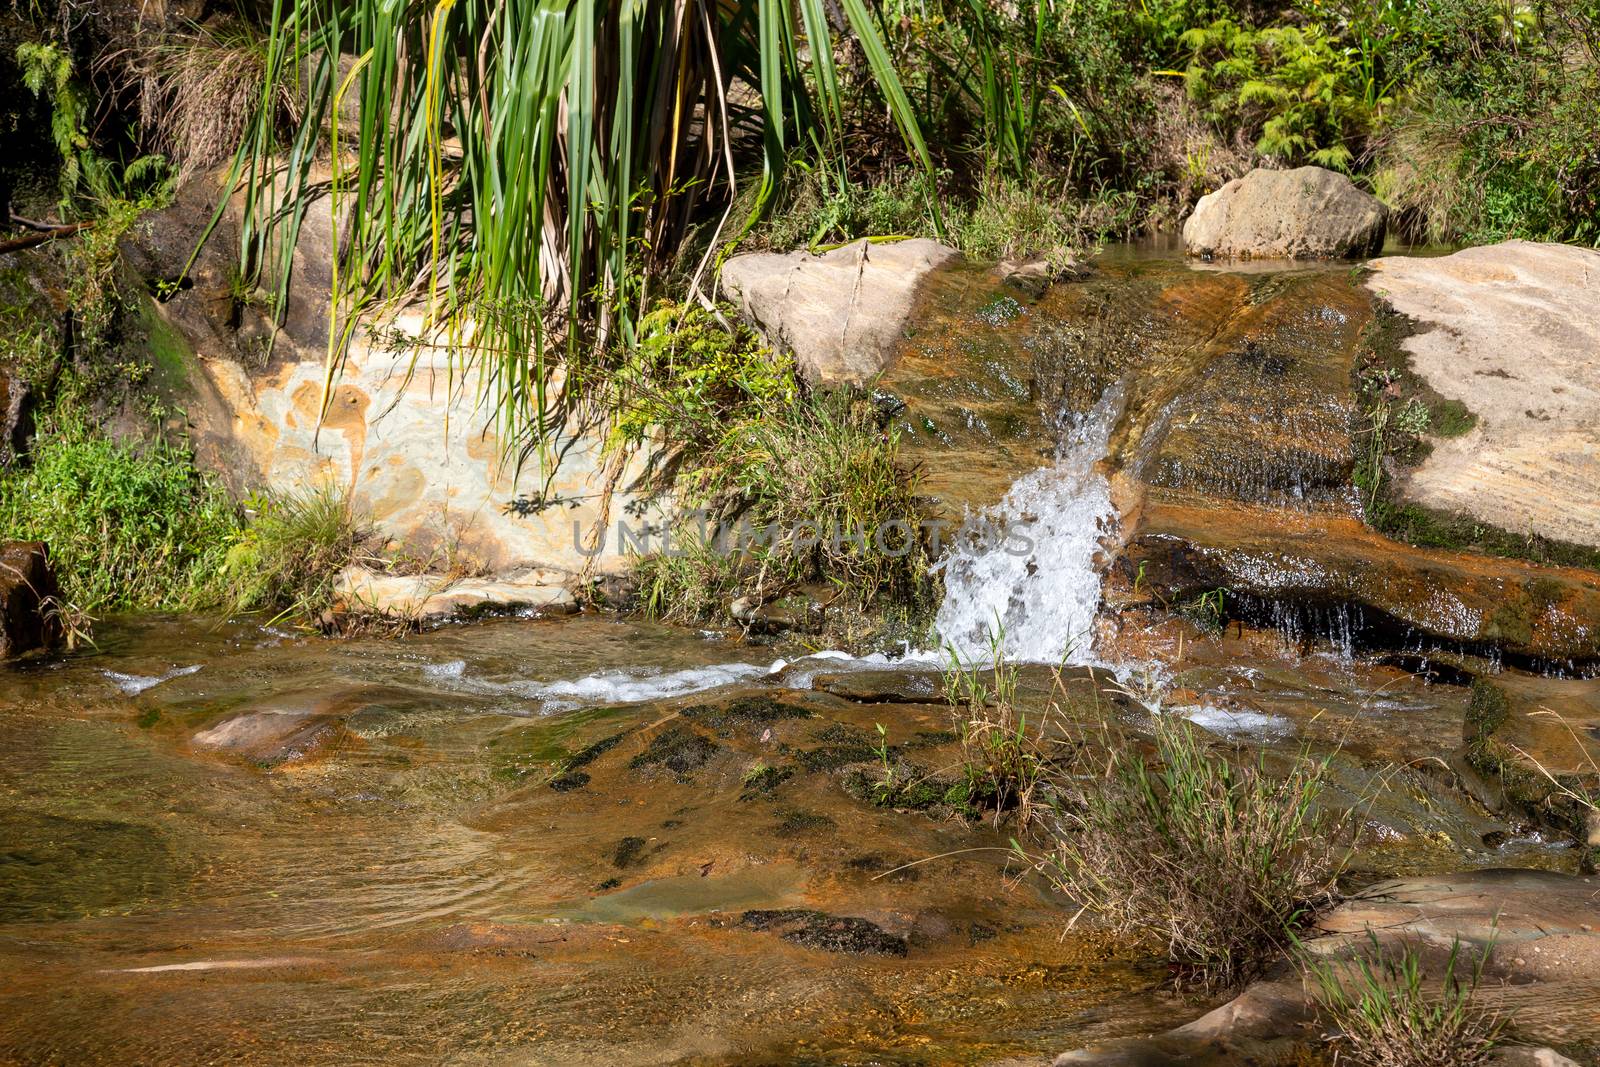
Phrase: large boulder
(405, 432)
(841, 313)
(26, 581)
(1307, 213)
(1512, 331)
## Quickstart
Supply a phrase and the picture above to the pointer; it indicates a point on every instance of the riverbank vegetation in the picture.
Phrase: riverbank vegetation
(797, 490)
(1217, 859)
(541, 180)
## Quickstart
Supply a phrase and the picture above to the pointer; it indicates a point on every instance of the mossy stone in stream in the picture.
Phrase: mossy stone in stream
(841, 746)
(53, 867)
(749, 712)
(761, 780)
(570, 777)
(830, 933)
(677, 750)
(794, 823)
(1486, 712)
(628, 851)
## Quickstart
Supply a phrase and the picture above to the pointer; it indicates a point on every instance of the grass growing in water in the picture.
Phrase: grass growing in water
(1385, 1017)
(1217, 859)
(1005, 761)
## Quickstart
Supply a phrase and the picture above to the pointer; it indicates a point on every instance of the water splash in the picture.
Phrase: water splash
(1030, 565)
(134, 684)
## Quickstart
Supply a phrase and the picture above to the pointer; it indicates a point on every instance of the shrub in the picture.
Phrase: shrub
(773, 468)
(1385, 1017)
(130, 526)
(292, 552)
(1217, 859)
(1299, 93)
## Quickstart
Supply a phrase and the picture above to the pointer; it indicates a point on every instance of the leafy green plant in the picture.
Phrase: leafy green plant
(1213, 857)
(47, 72)
(130, 526)
(1300, 93)
(1386, 1015)
(519, 169)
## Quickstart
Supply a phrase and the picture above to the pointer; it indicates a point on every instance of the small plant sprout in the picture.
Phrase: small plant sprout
(1004, 762)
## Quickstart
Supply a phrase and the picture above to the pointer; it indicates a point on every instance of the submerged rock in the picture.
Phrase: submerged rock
(272, 737)
(1512, 331)
(841, 313)
(26, 581)
(1305, 213)
(830, 933)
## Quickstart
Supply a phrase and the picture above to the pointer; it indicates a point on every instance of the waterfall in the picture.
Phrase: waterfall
(1031, 562)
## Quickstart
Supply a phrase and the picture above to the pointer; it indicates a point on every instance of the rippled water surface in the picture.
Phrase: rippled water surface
(406, 888)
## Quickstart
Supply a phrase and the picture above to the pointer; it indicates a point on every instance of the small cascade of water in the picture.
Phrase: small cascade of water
(1029, 565)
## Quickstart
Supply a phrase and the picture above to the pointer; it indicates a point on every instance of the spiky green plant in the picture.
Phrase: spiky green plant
(521, 168)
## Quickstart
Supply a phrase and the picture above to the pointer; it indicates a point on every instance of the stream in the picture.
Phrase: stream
(597, 840)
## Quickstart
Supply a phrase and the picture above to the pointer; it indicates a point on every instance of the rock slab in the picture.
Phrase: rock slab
(1306, 213)
(26, 581)
(841, 314)
(1513, 332)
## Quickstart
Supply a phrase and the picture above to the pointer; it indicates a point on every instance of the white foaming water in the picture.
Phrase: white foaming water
(1038, 579)
(134, 684)
(601, 687)
(1236, 723)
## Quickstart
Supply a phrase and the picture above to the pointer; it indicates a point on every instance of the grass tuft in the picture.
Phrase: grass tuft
(291, 554)
(1214, 857)
(1386, 1016)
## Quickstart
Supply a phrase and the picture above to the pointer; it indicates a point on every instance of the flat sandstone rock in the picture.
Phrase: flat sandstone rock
(841, 313)
(1513, 332)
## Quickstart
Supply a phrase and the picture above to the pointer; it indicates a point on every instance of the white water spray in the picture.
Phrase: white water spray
(1041, 584)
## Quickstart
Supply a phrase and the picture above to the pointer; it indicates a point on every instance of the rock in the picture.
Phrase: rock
(403, 430)
(16, 416)
(1306, 213)
(433, 598)
(1512, 331)
(295, 726)
(1036, 274)
(841, 313)
(26, 581)
(1291, 568)
(1514, 743)
(272, 737)
(1523, 1056)
(830, 933)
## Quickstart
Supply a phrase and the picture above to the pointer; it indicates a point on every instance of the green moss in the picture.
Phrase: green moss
(746, 712)
(677, 750)
(794, 823)
(761, 780)
(1487, 711)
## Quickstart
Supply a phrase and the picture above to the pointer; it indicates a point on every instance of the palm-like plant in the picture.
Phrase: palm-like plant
(522, 165)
